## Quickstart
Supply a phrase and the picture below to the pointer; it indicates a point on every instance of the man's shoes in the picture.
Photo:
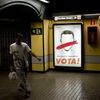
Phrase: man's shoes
(21, 88)
(27, 95)
(28, 92)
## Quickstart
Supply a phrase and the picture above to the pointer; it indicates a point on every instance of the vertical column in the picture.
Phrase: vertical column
(37, 45)
(46, 44)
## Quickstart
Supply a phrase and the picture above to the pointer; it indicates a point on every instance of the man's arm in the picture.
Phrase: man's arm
(11, 63)
(34, 55)
(30, 52)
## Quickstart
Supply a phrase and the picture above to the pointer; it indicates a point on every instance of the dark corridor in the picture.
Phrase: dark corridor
(8, 30)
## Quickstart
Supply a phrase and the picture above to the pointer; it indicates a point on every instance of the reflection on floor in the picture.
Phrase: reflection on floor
(54, 85)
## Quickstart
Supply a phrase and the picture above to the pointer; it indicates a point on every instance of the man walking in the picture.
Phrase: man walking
(19, 62)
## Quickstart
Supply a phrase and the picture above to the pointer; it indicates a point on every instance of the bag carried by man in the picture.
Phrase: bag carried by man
(12, 75)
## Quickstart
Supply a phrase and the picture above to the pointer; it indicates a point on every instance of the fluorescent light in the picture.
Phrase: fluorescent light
(95, 14)
(45, 1)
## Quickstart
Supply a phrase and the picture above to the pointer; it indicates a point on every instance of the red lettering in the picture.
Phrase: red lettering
(58, 60)
(78, 61)
(69, 61)
(64, 61)
(73, 61)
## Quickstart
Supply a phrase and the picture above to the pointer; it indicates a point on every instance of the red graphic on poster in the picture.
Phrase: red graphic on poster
(66, 44)
(70, 41)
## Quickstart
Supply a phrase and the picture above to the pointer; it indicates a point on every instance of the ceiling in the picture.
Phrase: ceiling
(17, 12)
(73, 7)
(53, 8)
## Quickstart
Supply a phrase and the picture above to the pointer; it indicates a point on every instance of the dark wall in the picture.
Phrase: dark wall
(8, 30)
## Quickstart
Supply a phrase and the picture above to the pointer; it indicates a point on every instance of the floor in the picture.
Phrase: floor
(54, 85)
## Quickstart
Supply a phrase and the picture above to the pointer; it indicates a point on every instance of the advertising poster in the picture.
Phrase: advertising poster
(67, 45)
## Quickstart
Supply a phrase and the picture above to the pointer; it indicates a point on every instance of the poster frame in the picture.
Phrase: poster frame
(82, 48)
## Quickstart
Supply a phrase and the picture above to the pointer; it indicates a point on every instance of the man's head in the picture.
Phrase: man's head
(67, 36)
(19, 37)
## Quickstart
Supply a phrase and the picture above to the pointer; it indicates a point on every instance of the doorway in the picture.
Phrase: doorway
(8, 30)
